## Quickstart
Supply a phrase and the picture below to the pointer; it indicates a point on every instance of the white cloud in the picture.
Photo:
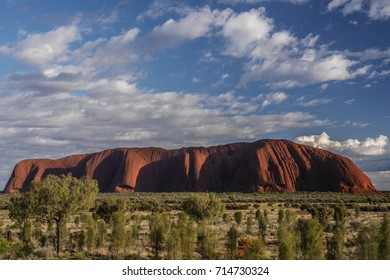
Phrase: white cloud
(352, 6)
(375, 9)
(350, 101)
(379, 9)
(273, 98)
(336, 3)
(42, 48)
(195, 24)
(313, 102)
(356, 124)
(351, 147)
(245, 30)
(324, 87)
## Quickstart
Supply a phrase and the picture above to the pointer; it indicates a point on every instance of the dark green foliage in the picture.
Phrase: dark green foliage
(157, 228)
(335, 245)
(232, 238)
(4, 247)
(203, 206)
(367, 241)
(281, 215)
(288, 237)
(340, 214)
(238, 217)
(91, 233)
(258, 213)
(119, 233)
(262, 223)
(106, 208)
(311, 241)
(384, 238)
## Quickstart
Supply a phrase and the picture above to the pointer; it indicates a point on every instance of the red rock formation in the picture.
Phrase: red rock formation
(265, 165)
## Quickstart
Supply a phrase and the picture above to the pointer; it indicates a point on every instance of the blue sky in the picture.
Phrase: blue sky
(82, 76)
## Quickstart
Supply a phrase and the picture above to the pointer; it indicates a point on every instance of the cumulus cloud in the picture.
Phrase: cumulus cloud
(195, 24)
(244, 30)
(275, 56)
(42, 48)
(279, 57)
(352, 147)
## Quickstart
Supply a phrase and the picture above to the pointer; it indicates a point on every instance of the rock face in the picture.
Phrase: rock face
(261, 166)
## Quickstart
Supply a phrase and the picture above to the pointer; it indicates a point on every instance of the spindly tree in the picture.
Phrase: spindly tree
(311, 232)
(157, 228)
(119, 233)
(335, 245)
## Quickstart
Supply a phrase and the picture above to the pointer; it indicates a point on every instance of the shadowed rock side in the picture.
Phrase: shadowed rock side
(262, 166)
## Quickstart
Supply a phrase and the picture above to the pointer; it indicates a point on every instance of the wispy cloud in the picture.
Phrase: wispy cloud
(313, 102)
(375, 9)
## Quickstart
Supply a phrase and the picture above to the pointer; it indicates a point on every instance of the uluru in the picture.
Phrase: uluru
(261, 166)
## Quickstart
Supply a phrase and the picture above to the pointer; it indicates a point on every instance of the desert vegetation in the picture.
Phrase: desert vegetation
(65, 218)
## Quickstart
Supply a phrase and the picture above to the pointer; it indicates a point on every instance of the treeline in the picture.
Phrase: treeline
(60, 217)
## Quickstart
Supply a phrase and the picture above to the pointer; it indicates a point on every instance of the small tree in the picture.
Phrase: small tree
(238, 217)
(311, 239)
(101, 234)
(207, 242)
(91, 234)
(288, 239)
(119, 233)
(335, 245)
(187, 233)
(367, 241)
(173, 242)
(157, 227)
(232, 237)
